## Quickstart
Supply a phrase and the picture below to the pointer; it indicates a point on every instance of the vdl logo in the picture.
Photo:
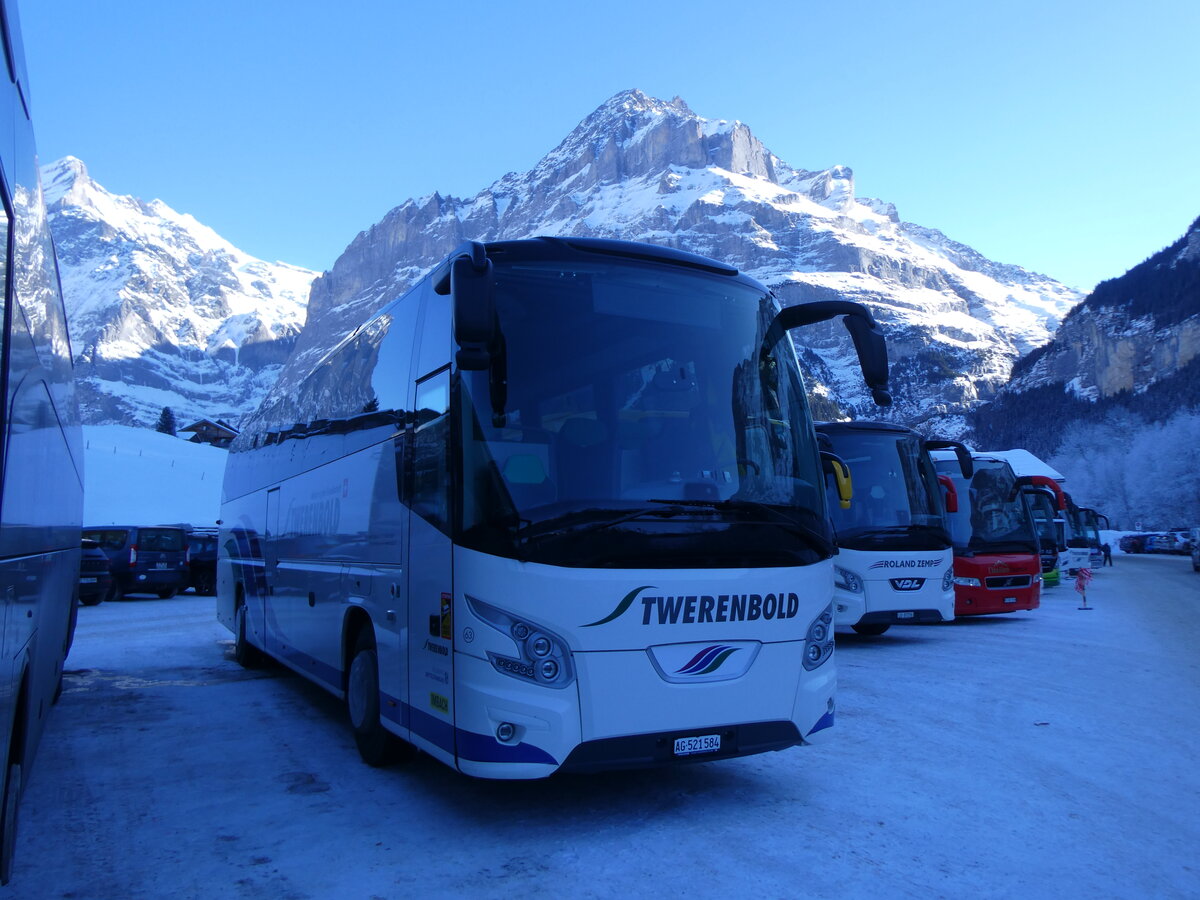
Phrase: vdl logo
(707, 660)
(907, 584)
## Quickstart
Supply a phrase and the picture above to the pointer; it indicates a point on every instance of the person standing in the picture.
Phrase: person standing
(1107, 550)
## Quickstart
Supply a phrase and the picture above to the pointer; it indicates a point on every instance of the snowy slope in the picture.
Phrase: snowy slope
(162, 310)
(138, 476)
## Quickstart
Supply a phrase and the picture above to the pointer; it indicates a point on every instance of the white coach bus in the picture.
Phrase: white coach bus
(560, 506)
(895, 555)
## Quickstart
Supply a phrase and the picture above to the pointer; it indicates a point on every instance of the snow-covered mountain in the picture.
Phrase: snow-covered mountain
(639, 168)
(162, 310)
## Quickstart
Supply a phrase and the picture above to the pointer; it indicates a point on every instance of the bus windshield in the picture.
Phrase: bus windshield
(895, 492)
(992, 514)
(1041, 506)
(632, 418)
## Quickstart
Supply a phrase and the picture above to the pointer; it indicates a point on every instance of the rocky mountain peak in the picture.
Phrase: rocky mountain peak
(641, 168)
(162, 310)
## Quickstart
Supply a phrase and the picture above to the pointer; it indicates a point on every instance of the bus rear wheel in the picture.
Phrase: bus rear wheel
(376, 745)
(246, 654)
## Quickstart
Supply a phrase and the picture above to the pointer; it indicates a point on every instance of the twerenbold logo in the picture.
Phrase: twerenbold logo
(699, 608)
(707, 660)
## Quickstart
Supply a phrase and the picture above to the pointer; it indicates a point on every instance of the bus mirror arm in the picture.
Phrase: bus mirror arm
(965, 463)
(868, 339)
(834, 465)
(1046, 483)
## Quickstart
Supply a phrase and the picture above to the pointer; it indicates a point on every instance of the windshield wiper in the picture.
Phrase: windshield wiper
(544, 529)
(822, 543)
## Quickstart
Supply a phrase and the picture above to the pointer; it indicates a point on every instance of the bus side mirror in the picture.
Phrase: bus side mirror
(951, 493)
(966, 464)
(869, 342)
(871, 348)
(833, 465)
(474, 311)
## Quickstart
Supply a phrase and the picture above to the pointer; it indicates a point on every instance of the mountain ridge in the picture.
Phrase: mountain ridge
(162, 310)
(639, 168)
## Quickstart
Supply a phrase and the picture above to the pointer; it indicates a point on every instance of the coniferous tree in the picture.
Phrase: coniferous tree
(166, 422)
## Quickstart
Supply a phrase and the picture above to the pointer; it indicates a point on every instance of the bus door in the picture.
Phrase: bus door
(430, 551)
(259, 614)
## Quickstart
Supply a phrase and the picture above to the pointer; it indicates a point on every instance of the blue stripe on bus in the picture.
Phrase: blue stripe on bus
(826, 721)
(485, 748)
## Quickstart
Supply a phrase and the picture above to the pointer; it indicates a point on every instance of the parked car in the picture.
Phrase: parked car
(94, 579)
(1163, 542)
(1132, 543)
(1195, 535)
(143, 559)
(202, 550)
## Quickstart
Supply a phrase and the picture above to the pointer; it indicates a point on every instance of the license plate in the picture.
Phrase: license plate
(1010, 599)
(904, 615)
(87, 580)
(162, 565)
(704, 743)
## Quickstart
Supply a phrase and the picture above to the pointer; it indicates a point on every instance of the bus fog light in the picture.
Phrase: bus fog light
(814, 652)
(540, 646)
(820, 632)
(948, 580)
(549, 669)
(505, 732)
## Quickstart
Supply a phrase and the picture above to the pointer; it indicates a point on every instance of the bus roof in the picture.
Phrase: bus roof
(1025, 463)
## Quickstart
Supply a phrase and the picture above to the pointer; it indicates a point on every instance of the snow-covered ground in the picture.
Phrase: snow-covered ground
(1040, 754)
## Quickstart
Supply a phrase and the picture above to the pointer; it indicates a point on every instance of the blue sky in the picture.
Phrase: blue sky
(1060, 136)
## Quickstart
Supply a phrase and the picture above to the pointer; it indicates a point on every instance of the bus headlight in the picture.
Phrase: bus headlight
(542, 657)
(818, 645)
(964, 581)
(948, 580)
(847, 580)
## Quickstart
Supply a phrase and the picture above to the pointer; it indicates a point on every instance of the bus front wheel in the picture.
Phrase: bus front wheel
(376, 745)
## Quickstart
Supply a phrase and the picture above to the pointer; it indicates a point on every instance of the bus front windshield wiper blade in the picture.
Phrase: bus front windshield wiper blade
(596, 519)
(778, 517)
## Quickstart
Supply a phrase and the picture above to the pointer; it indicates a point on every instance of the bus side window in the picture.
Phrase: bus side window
(430, 496)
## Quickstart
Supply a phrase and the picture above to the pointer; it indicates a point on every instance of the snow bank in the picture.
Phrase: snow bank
(137, 476)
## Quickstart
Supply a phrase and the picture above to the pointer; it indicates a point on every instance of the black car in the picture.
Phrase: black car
(94, 579)
(202, 547)
(144, 559)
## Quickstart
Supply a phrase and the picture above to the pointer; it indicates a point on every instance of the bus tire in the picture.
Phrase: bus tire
(244, 653)
(376, 745)
(8, 822)
(873, 630)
